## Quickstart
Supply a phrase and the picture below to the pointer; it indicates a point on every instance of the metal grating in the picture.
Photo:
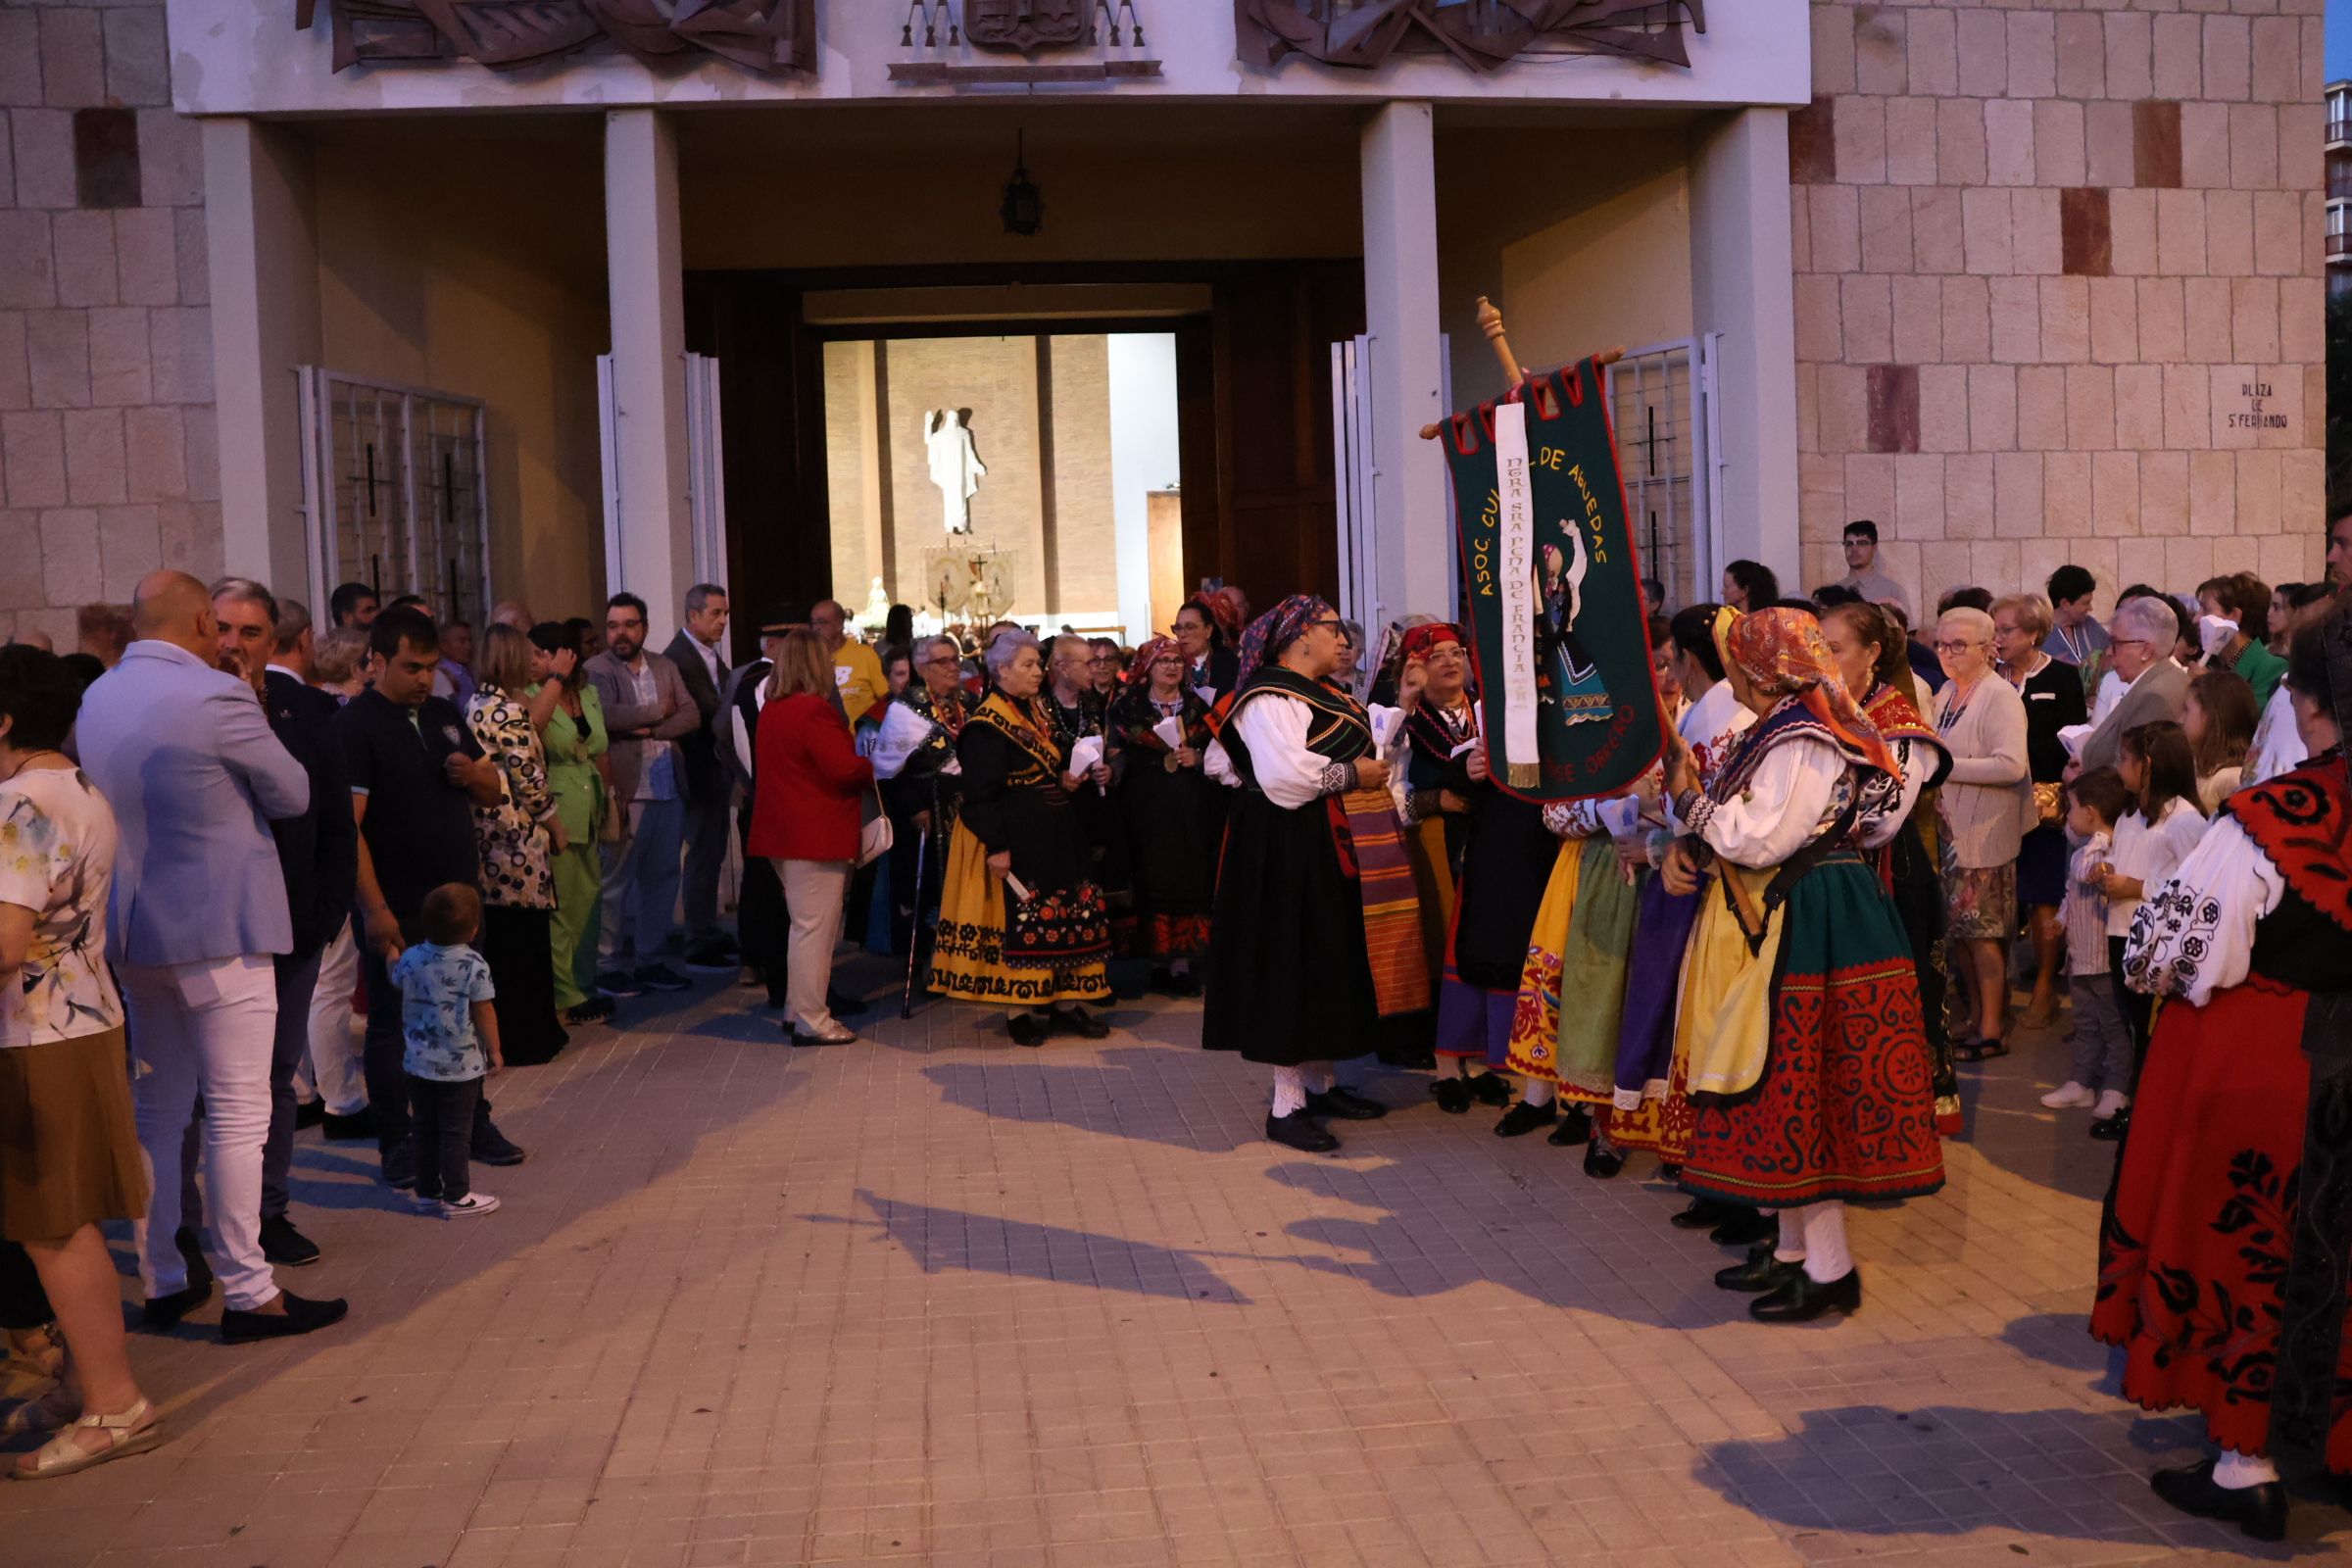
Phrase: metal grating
(394, 486)
(1656, 409)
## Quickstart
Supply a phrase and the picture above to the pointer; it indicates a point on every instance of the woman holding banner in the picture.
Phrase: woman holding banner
(1811, 1076)
(1314, 942)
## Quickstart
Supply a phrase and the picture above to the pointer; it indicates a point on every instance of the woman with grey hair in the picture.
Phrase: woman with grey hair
(1022, 924)
(1987, 804)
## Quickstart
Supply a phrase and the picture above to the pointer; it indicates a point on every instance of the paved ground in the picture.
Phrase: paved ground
(933, 1299)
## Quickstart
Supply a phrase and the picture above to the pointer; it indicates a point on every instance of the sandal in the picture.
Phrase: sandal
(63, 1456)
(1973, 1051)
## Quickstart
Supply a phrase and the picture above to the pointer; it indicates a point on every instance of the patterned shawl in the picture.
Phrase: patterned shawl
(1270, 633)
(1782, 652)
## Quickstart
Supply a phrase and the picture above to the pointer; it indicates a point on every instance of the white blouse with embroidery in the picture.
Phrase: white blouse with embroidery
(1273, 729)
(1796, 794)
(2194, 935)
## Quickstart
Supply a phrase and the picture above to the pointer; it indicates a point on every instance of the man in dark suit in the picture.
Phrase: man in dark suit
(319, 853)
(699, 650)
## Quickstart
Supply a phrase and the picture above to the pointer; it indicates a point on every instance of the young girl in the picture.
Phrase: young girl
(2151, 840)
(2219, 720)
(2103, 1045)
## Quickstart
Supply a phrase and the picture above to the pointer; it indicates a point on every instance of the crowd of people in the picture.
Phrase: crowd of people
(226, 834)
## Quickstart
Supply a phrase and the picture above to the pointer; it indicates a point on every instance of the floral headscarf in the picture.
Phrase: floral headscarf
(1139, 668)
(1225, 609)
(1422, 640)
(1270, 633)
(1782, 652)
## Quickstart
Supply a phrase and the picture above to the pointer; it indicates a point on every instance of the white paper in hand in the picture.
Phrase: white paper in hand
(2073, 736)
(902, 733)
(1386, 723)
(1085, 752)
(1170, 730)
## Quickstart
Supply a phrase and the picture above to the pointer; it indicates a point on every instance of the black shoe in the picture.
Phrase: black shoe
(347, 1129)
(2111, 1129)
(1028, 1029)
(1669, 1170)
(1801, 1298)
(301, 1316)
(1761, 1272)
(1345, 1105)
(801, 1039)
(309, 1113)
(1703, 1214)
(659, 977)
(1080, 1022)
(165, 1311)
(619, 983)
(1186, 983)
(1297, 1131)
(1575, 1128)
(1491, 1088)
(1743, 1227)
(494, 1147)
(596, 1009)
(399, 1168)
(1524, 1119)
(1452, 1096)
(284, 1246)
(2259, 1511)
(838, 1002)
(1602, 1163)
(713, 955)
(1411, 1059)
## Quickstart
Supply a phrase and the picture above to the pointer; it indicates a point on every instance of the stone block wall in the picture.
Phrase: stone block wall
(107, 453)
(2059, 290)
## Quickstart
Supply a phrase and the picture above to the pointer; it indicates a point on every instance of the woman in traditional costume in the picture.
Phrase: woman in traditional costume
(1651, 1105)
(1870, 652)
(1314, 939)
(1172, 813)
(2223, 1259)
(1020, 921)
(1812, 1080)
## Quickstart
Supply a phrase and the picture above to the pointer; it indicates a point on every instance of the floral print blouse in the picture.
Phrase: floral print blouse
(56, 858)
(512, 835)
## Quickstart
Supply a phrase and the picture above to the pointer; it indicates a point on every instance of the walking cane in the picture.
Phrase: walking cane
(914, 932)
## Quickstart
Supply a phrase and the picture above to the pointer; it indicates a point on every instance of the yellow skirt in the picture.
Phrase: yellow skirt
(967, 961)
(1720, 1022)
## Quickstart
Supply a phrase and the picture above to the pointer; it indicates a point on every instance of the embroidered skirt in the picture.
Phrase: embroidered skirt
(1845, 1105)
(1582, 937)
(1051, 949)
(2193, 1253)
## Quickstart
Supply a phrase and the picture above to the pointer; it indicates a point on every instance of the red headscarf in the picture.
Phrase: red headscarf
(1422, 640)
(1225, 607)
(1782, 652)
(1139, 668)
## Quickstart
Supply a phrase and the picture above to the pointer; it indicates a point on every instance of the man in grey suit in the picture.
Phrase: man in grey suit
(647, 712)
(2139, 649)
(184, 754)
(699, 652)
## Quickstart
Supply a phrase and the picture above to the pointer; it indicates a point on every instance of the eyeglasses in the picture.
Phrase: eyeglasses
(1956, 648)
(2129, 642)
(1335, 623)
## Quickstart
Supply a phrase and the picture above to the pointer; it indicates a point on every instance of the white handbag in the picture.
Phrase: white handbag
(875, 837)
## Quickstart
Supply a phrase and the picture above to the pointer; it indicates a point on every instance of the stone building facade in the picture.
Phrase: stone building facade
(2056, 273)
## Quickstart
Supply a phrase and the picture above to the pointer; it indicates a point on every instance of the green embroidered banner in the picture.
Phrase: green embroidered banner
(1555, 624)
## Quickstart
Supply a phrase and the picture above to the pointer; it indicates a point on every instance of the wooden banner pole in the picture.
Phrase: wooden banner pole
(1490, 321)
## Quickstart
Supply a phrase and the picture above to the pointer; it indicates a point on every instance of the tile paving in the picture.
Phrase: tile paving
(933, 1299)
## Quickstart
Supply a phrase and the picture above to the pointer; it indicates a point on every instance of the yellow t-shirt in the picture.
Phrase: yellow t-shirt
(859, 674)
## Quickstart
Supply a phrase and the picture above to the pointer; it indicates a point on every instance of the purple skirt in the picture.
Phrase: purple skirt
(1653, 975)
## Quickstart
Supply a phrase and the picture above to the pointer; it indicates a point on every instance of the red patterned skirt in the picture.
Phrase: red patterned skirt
(2192, 1256)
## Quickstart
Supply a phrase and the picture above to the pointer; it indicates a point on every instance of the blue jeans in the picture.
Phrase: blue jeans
(640, 884)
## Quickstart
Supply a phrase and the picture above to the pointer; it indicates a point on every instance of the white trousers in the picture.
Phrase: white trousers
(204, 1028)
(334, 1057)
(814, 891)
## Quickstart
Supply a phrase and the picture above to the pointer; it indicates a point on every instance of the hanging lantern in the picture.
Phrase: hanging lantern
(1024, 206)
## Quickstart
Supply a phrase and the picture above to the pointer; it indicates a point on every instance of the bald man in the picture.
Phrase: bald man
(183, 752)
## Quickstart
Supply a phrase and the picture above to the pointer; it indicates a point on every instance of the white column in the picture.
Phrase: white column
(649, 364)
(1743, 286)
(1400, 313)
(263, 251)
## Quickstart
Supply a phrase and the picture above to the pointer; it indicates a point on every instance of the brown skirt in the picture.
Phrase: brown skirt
(69, 1150)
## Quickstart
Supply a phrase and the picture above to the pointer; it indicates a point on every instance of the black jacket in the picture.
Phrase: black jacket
(706, 780)
(318, 850)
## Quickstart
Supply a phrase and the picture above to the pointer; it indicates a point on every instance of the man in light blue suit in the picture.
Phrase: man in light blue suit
(184, 754)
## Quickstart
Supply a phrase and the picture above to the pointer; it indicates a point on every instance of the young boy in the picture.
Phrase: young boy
(2102, 1039)
(449, 1036)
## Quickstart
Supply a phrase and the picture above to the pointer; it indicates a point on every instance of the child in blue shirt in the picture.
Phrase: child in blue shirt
(450, 1038)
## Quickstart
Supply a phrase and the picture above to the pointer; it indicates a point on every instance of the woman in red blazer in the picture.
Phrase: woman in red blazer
(805, 819)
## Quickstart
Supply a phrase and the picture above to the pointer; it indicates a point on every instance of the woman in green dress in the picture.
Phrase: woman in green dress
(571, 727)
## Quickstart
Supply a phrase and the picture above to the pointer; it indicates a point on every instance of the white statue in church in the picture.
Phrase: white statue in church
(955, 465)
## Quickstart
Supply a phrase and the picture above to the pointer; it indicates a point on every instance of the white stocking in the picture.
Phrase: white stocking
(1790, 1249)
(1539, 1091)
(1826, 1254)
(2234, 1471)
(1290, 1091)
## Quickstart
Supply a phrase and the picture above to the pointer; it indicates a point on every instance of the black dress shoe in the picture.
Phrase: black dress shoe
(1452, 1096)
(1743, 1227)
(1575, 1128)
(1524, 1119)
(1028, 1028)
(284, 1246)
(2259, 1511)
(1703, 1214)
(1298, 1131)
(346, 1129)
(1491, 1088)
(1345, 1104)
(1412, 1058)
(301, 1316)
(165, 1311)
(2111, 1129)
(659, 977)
(1080, 1022)
(309, 1113)
(1761, 1272)
(492, 1147)
(1801, 1298)
(1602, 1163)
